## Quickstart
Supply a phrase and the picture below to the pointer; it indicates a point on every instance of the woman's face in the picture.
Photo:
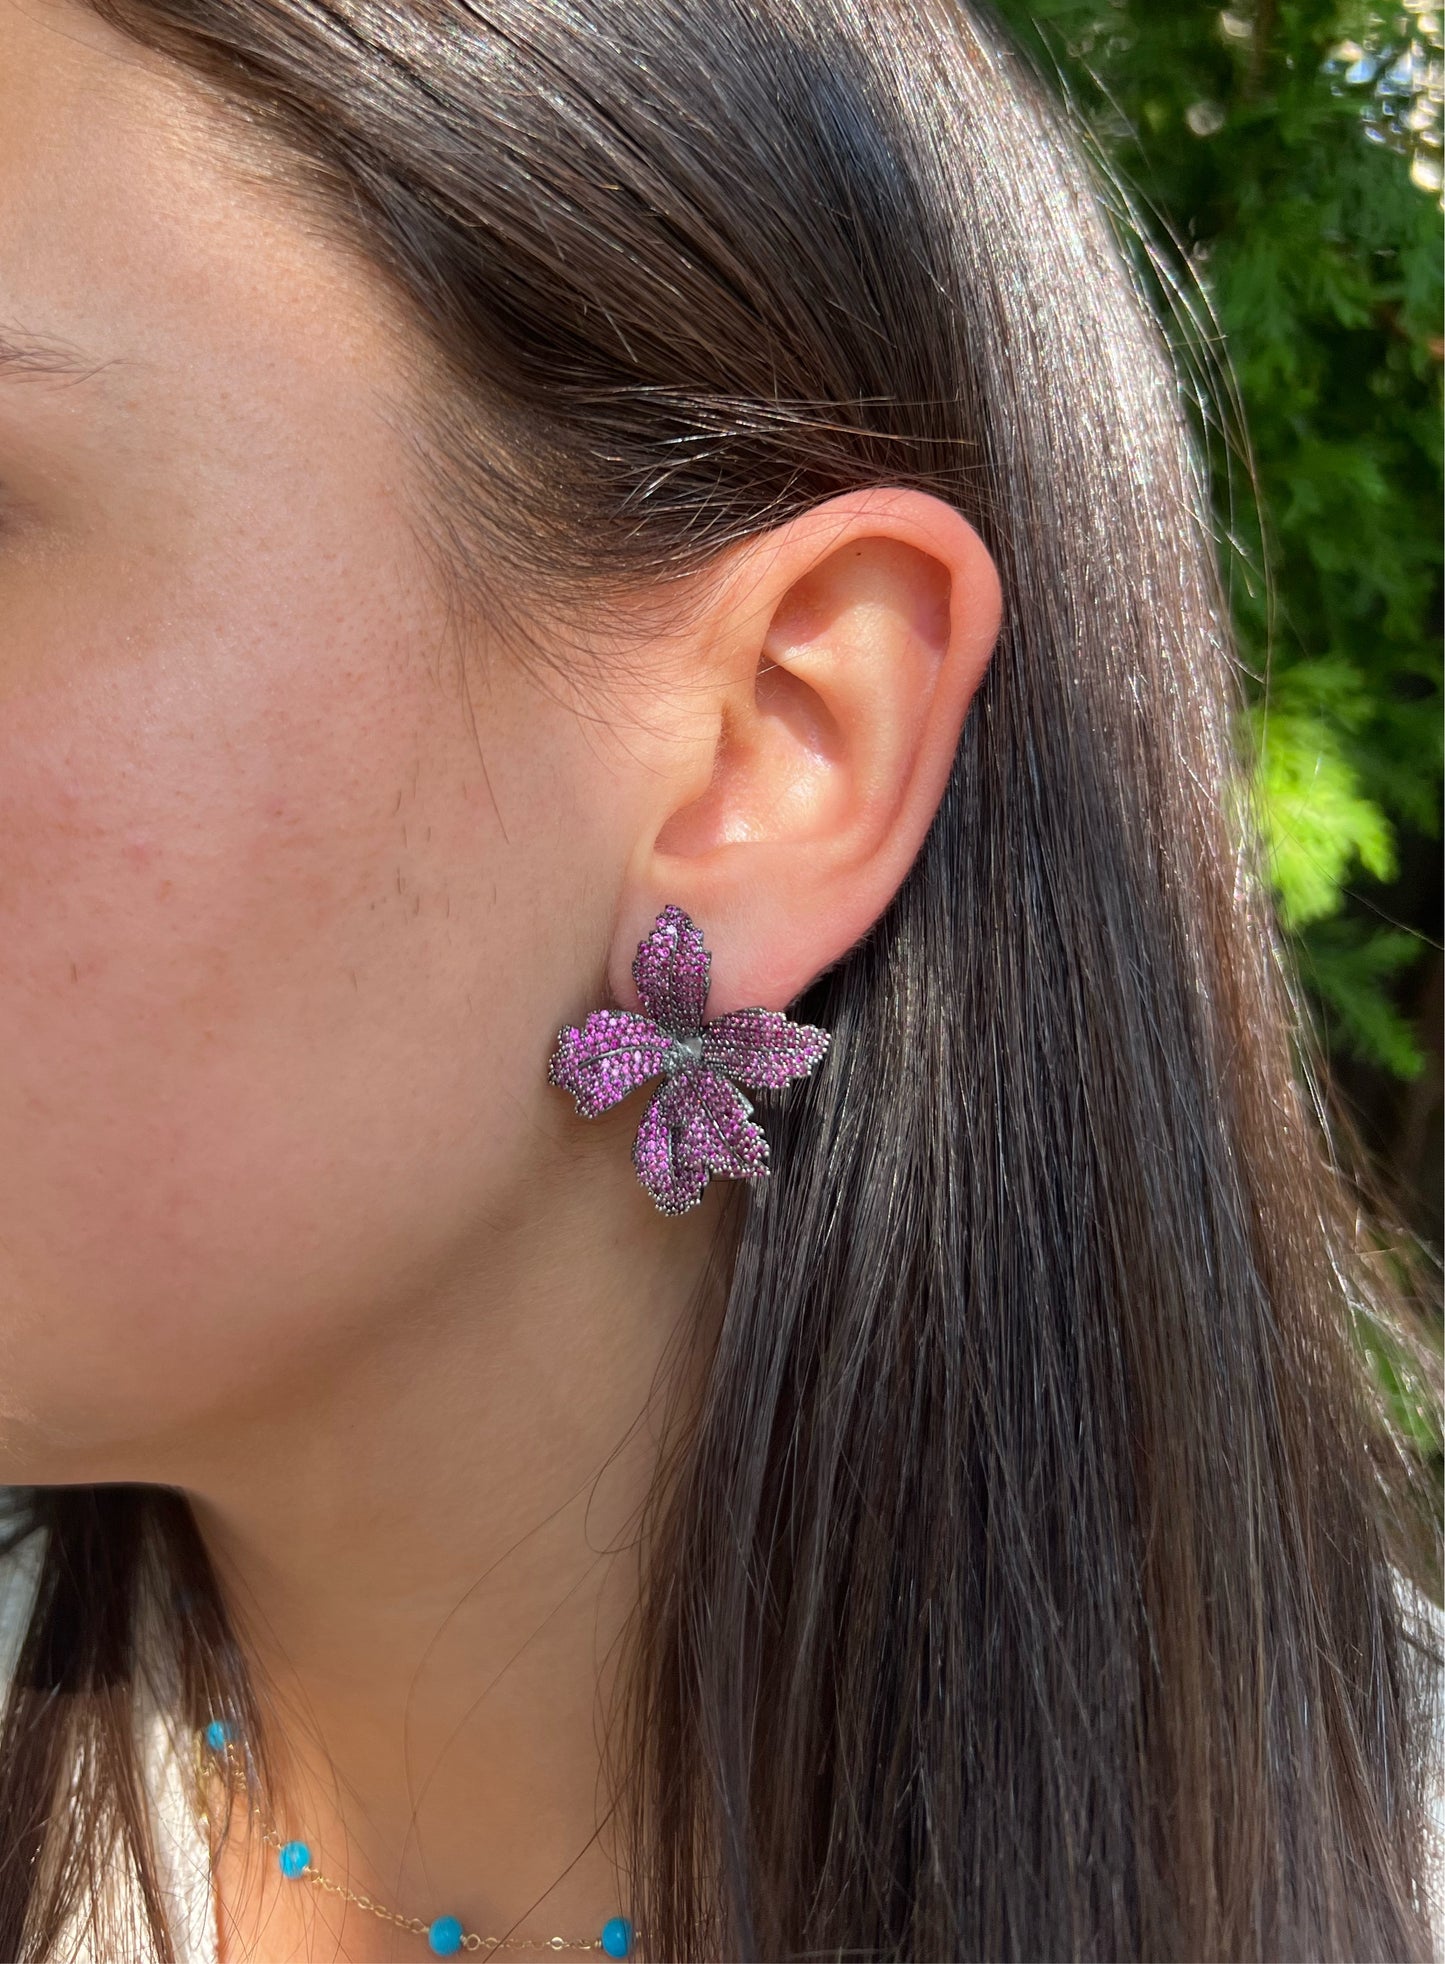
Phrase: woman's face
(276, 901)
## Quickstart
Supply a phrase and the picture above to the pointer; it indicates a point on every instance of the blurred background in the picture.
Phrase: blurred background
(1285, 159)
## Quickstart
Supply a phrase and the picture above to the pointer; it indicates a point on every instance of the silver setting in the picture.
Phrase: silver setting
(685, 1051)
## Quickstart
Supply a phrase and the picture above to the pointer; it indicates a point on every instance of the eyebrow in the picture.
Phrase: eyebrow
(22, 353)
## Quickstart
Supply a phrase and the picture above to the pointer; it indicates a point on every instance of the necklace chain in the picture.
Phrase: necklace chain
(472, 1940)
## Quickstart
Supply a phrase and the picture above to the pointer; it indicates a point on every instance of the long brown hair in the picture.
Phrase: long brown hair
(1022, 1586)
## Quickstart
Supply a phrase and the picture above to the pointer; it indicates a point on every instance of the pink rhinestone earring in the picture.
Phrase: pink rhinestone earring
(698, 1122)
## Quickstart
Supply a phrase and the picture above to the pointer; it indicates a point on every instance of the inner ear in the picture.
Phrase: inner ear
(788, 699)
(884, 573)
(844, 667)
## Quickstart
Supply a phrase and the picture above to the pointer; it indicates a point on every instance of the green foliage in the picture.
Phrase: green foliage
(1315, 818)
(1284, 158)
(1350, 969)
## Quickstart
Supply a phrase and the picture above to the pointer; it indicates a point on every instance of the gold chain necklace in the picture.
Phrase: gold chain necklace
(444, 1934)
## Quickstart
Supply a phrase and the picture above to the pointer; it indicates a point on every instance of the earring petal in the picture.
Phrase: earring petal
(762, 1048)
(675, 1182)
(614, 1051)
(671, 969)
(716, 1131)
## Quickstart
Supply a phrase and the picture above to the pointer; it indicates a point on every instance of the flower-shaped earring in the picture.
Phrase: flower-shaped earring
(698, 1122)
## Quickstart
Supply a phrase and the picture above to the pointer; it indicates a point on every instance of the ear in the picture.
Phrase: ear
(840, 654)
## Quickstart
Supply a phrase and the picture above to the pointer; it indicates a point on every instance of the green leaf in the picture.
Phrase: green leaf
(1314, 820)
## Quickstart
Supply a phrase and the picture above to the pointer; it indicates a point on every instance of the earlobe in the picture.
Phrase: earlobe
(851, 642)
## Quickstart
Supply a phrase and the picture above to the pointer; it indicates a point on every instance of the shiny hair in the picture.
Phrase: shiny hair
(1023, 1583)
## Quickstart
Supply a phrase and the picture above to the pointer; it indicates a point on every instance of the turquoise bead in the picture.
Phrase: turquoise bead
(295, 1856)
(445, 1937)
(617, 1937)
(217, 1733)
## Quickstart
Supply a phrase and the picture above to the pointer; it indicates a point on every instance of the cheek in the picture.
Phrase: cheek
(244, 960)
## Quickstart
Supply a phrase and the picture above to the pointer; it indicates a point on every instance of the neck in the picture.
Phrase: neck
(430, 1548)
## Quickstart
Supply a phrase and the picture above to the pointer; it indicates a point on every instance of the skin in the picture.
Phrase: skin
(289, 1215)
